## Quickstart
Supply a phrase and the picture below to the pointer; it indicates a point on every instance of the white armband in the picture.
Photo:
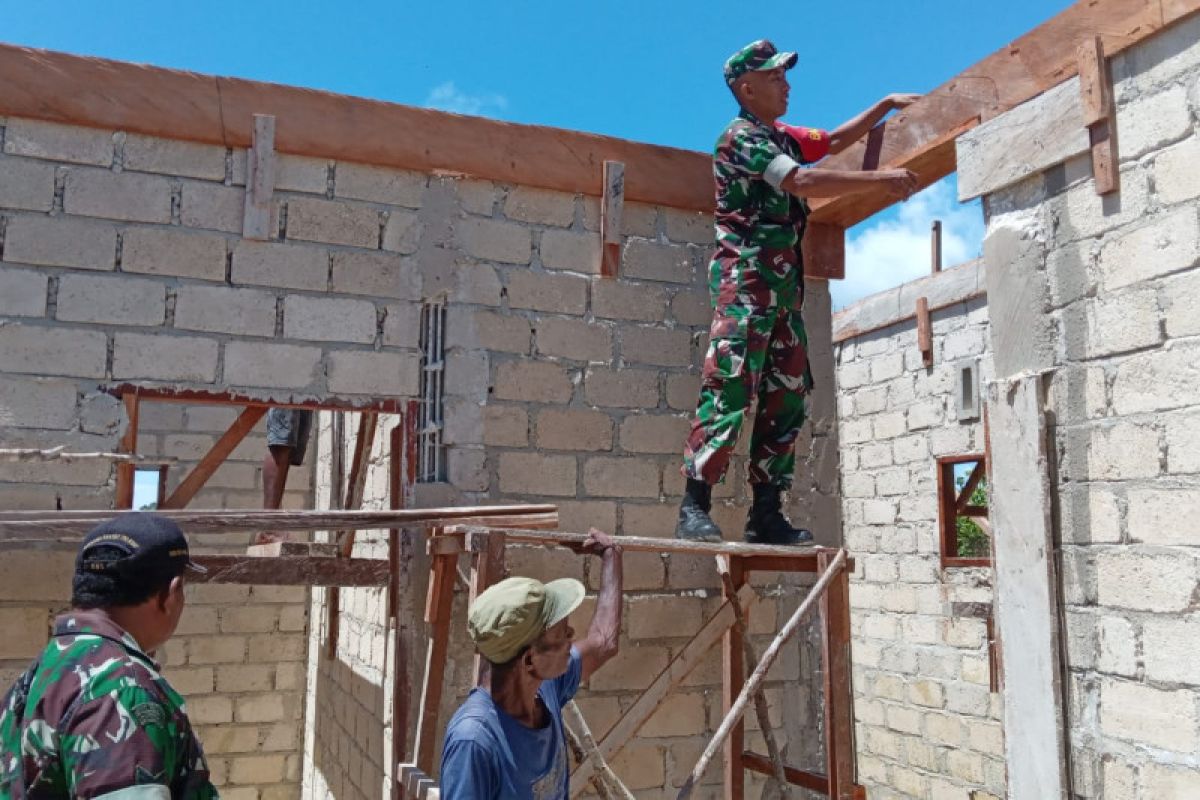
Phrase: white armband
(144, 791)
(777, 171)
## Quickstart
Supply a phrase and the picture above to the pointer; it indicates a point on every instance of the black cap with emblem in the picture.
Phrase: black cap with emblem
(137, 545)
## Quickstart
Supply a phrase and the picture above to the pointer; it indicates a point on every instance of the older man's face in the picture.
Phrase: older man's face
(552, 651)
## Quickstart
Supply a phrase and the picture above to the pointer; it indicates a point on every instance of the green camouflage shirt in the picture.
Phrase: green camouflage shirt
(93, 717)
(755, 218)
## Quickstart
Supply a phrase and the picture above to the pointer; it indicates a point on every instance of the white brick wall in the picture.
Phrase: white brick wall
(1123, 404)
(927, 724)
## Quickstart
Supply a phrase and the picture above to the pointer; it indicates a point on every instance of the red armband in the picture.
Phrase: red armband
(814, 142)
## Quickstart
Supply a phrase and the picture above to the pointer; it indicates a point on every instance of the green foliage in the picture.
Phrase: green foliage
(972, 541)
(148, 507)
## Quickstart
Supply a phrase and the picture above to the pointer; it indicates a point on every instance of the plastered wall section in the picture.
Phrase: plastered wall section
(565, 387)
(927, 724)
(1114, 286)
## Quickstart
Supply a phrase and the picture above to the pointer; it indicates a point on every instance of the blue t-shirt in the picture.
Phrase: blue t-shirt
(488, 755)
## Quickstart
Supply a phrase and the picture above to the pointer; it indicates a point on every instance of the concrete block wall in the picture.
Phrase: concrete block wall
(568, 388)
(121, 260)
(1114, 283)
(927, 724)
(348, 742)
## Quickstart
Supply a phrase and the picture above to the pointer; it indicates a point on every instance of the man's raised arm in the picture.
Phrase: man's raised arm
(854, 129)
(600, 643)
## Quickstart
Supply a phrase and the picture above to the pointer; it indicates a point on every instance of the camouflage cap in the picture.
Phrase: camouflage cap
(515, 612)
(756, 57)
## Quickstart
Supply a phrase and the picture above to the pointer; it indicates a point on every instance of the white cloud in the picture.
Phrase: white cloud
(448, 97)
(887, 252)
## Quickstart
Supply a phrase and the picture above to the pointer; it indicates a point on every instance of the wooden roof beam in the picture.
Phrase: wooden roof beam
(921, 137)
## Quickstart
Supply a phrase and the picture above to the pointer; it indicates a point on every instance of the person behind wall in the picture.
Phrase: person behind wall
(288, 432)
(757, 342)
(93, 717)
(506, 741)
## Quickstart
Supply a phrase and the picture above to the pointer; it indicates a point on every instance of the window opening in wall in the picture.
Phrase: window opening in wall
(963, 511)
(431, 458)
(149, 487)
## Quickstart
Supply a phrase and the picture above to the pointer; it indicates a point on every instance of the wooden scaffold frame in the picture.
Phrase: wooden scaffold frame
(486, 548)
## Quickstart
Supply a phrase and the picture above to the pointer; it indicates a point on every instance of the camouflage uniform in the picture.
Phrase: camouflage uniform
(757, 344)
(94, 716)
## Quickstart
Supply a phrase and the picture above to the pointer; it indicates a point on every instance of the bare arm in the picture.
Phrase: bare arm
(899, 183)
(854, 129)
(600, 643)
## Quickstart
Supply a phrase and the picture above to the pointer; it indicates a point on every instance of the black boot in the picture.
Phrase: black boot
(766, 523)
(694, 522)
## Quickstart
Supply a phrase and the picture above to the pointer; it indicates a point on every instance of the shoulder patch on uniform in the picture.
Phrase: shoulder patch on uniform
(149, 714)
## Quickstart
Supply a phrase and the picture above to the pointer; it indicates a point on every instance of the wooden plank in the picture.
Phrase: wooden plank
(651, 544)
(733, 670)
(291, 570)
(823, 251)
(487, 567)
(916, 137)
(1027, 601)
(128, 444)
(274, 549)
(214, 458)
(438, 614)
(839, 693)
(22, 524)
(797, 777)
(612, 205)
(773, 564)
(225, 398)
(260, 179)
(1099, 114)
(648, 701)
(924, 331)
(114, 95)
(1095, 87)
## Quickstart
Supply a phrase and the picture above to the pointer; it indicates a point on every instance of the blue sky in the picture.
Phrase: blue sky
(648, 71)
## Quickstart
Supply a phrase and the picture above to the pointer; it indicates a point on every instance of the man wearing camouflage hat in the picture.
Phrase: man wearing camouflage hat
(757, 342)
(506, 741)
(92, 717)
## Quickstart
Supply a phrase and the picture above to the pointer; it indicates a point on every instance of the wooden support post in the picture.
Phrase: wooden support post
(749, 655)
(823, 250)
(1099, 114)
(215, 457)
(733, 661)
(487, 567)
(935, 246)
(400, 693)
(839, 693)
(438, 606)
(612, 205)
(924, 331)
(260, 179)
(648, 701)
(353, 500)
(128, 444)
(837, 566)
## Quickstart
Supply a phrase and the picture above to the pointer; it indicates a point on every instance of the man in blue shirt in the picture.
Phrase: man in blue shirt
(506, 741)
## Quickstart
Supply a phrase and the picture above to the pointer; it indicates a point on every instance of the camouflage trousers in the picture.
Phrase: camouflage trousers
(757, 353)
